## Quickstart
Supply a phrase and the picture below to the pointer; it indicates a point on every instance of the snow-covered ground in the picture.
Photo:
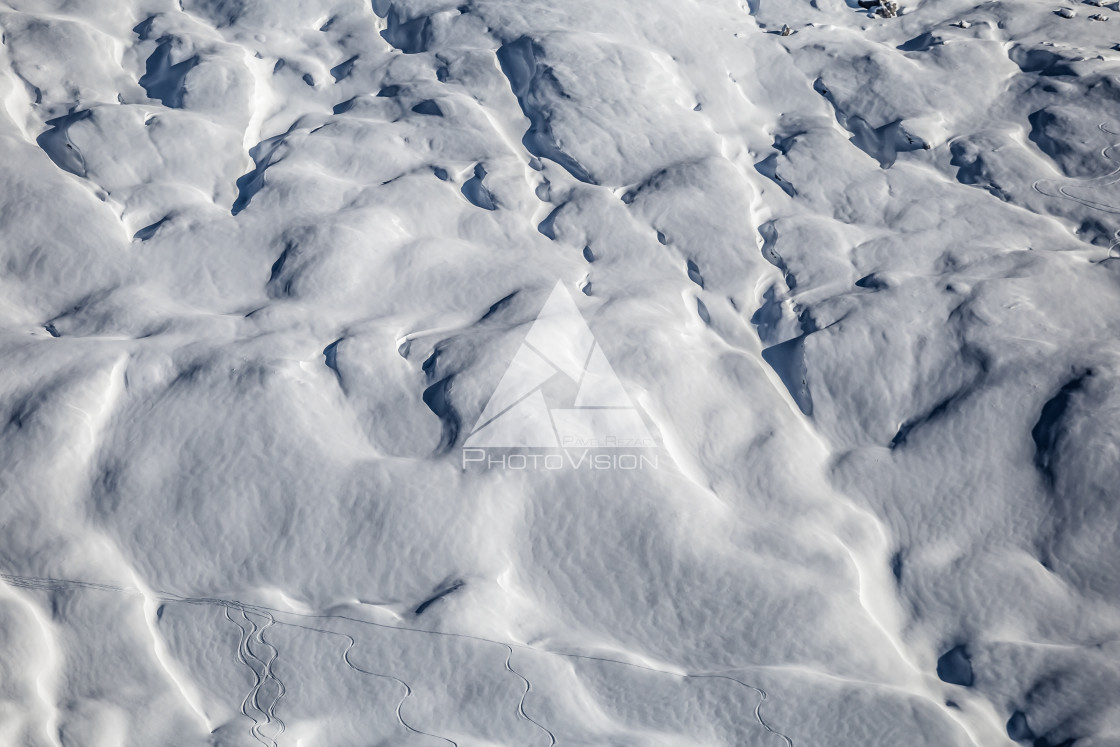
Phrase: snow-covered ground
(263, 263)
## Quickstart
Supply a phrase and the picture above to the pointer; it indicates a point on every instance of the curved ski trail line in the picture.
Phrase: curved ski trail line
(263, 675)
(762, 695)
(398, 680)
(525, 694)
(1106, 180)
(270, 613)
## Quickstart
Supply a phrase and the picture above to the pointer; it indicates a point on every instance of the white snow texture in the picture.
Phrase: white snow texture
(855, 269)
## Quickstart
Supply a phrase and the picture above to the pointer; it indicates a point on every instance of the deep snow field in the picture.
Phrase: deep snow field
(263, 263)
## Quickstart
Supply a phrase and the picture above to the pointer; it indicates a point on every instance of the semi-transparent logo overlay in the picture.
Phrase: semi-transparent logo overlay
(532, 421)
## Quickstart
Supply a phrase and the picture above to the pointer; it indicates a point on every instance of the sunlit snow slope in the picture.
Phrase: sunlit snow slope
(264, 262)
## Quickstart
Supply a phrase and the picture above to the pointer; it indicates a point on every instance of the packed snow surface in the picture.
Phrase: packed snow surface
(263, 264)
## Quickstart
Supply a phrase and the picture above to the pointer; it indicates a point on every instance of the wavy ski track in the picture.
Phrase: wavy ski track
(263, 717)
(1106, 180)
(407, 688)
(274, 618)
(525, 694)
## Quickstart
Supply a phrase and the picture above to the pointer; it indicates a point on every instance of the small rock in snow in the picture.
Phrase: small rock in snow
(888, 9)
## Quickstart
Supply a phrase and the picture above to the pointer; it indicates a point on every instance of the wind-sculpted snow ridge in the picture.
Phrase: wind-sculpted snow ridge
(264, 264)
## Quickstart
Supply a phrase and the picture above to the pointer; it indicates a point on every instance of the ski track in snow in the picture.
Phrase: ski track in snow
(264, 718)
(266, 726)
(1106, 180)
